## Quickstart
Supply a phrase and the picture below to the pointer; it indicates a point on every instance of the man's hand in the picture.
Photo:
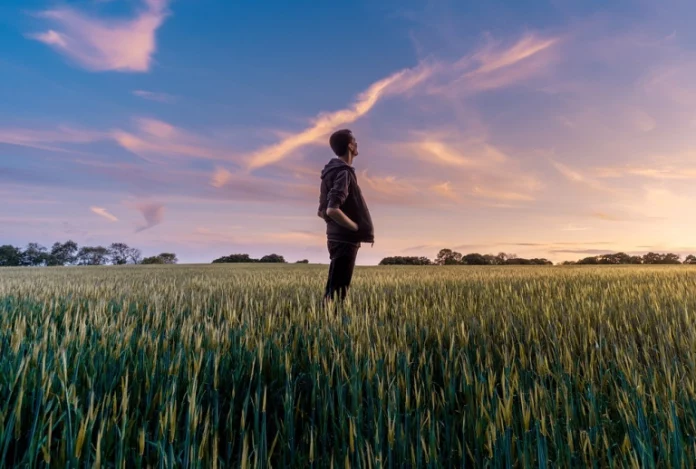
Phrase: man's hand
(337, 215)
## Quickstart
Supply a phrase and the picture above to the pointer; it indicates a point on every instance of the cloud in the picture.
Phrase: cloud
(220, 177)
(154, 96)
(606, 216)
(491, 193)
(591, 252)
(492, 60)
(390, 189)
(571, 227)
(42, 139)
(496, 66)
(102, 212)
(397, 83)
(153, 214)
(578, 177)
(660, 172)
(445, 190)
(439, 152)
(105, 44)
(155, 138)
(487, 62)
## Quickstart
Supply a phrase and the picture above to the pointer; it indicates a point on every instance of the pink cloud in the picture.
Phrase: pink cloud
(497, 66)
(154, 138)
(101, 44)
(220, 177)
(445, 190)
(500, 194)
(153, 214)
(490, 61)
(397, 83)
(102, 212)
(42, 139)
(154, 96)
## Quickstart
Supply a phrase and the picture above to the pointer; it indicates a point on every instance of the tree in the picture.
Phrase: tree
(35, 255)
(168, 258)
(303, 261)
(448, 257)
(273, 258)
(502, 258)
(10, 256)
(93, 255)
(474, 259)
(518, 261)
(589, 261)
(63, 253)
(618, 258)
(163, 258)
(119, 253)
(408, 260)
(671, 258)
(690, 259)
(134, 255)
(153, 260)
(652, 258)
(234, 258)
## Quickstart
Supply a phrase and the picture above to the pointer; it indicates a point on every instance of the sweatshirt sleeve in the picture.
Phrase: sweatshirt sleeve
(339, 191)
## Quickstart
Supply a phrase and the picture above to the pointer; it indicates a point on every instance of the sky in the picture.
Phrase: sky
(550, 128)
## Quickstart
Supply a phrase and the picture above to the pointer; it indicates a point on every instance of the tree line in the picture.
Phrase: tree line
(623, 258)
(245, 258)
(69, 253)
(450, 257)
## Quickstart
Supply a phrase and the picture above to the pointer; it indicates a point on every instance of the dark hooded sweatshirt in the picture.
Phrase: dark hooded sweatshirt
(339, 189)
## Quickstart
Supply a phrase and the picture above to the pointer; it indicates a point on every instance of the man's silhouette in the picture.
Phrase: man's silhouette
(342, 206)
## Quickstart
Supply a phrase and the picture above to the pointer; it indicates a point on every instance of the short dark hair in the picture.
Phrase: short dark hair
(340, 140)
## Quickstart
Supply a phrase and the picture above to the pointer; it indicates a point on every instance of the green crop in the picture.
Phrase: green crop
(239, 366)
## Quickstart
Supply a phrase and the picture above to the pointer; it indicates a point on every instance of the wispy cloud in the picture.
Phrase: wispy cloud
(443, 153)
(220, 177)
(47, 139)
(105, 44)
(474, 71)
(153, 213)
(154, 138)
(389, 189)
(444, 189)
(498, 65)
(397, 83)
(499, 194)
(579, 177)
(663, 172)
(154, 96)
(102, 212)
(571, 227)
(606, 216)
(589, 252)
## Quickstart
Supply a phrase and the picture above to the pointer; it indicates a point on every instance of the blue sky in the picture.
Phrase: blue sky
(550, 128)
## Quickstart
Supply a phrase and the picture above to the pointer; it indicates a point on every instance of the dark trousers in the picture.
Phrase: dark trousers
(342, 257)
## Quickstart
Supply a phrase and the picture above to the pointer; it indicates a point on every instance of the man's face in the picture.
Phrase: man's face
(353, 147)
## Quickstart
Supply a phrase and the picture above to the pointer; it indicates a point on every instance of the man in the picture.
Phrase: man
(342, 206)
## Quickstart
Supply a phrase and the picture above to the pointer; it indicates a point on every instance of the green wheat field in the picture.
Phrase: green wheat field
(239, 366)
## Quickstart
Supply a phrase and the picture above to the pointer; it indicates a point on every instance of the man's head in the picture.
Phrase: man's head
(343, 144)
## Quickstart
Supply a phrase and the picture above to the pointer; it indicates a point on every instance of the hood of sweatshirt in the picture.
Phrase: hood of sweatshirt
(335, 164)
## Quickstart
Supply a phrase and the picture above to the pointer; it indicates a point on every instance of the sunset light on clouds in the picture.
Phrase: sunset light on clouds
(549, 128)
